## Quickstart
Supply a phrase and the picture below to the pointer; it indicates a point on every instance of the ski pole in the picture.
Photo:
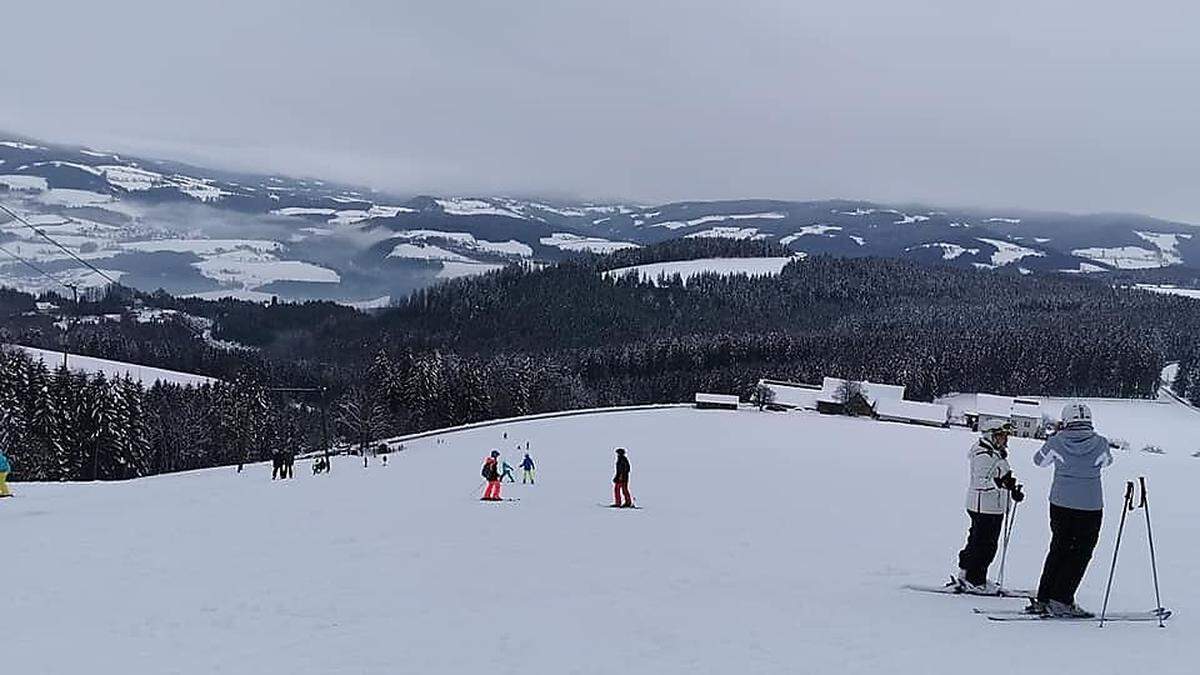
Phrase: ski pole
(476, 490)
(1153, 562)
(1010, 514)
(1125, 508)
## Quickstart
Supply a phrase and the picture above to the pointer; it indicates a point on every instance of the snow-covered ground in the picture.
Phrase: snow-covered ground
(1008, 252)
(679, 224)
(574, 242)
(728, 233)
(686, 269)
(1169, 289)
(1124, 257)
(147, 375)
(949, 251)
(767, 543)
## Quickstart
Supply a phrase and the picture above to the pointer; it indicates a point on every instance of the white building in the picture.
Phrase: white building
(873, 391)
(793, 394)
(717, 401)
(1027, 418)
(913, 412)
(1025, 414)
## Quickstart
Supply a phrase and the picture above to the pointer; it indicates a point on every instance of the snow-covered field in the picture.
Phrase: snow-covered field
(1008, 252)
(574, 242)
(767, 543)
(1124, 257)
(686, 269)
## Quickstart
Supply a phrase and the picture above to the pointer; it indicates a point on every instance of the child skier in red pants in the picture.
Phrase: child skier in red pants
(491, 472)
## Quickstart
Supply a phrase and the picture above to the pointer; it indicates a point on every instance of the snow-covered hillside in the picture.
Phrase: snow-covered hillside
(212, 233)
(147, 375)
(686, 269)
(767, 543)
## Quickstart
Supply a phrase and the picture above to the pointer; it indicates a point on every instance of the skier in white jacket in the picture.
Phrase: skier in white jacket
(991, 486)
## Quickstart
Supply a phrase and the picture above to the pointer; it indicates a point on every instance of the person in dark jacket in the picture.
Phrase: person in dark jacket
(1078, 455)
(528, 468)
(277, 465)
(621, 481)
(491, 473)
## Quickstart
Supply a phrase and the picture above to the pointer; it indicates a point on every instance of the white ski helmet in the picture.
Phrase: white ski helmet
(1076, 412)
(993, 425)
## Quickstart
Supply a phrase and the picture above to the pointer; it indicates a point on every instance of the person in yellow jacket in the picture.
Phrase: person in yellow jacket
(4, 469)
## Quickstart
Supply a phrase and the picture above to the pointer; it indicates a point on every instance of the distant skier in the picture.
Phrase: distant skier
(5, 467)
(277, 465)
(1078, 454)
(506, 471)
(491, 473)
(991, 486)
(289, 461)
(621, 481)
(528, 469)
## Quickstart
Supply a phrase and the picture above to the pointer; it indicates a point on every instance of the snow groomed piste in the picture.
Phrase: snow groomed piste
(774, 543)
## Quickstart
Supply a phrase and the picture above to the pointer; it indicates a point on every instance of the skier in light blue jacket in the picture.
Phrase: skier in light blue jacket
(1078, 455)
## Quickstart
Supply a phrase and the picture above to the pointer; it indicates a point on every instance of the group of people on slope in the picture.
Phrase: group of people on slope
(1078, 454)
(495, 469)
(282, 464)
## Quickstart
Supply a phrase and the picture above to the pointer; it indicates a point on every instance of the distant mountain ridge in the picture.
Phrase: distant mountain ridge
(214, 233)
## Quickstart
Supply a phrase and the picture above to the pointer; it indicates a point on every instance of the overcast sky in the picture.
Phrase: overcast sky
(1066, 105)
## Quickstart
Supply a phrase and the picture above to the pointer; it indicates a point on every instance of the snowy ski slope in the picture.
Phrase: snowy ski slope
(767, 543)
(147, 375)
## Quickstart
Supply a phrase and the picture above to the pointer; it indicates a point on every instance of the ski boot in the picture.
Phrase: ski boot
(1063, 610)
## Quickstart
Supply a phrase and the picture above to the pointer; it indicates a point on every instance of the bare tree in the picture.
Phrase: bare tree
(763, 396)
(362, 417)
(852, 396)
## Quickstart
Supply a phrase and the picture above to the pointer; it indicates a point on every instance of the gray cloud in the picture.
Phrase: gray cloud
(1037, 104)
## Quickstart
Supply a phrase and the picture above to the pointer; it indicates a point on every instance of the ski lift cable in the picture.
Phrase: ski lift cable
(19, 218)
(37, 269)
(72, 287)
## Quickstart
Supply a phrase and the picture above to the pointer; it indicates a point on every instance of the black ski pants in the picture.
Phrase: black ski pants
(1073, 537)
(982, 542)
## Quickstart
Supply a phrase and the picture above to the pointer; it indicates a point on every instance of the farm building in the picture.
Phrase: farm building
(1025, 414)
(871, 399)
(1027, 418)
(864, 401)
(793, 394)
(716, 401)
(913, 412)
(990, 407)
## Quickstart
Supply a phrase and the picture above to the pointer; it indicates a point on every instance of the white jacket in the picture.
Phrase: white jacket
(987, 464)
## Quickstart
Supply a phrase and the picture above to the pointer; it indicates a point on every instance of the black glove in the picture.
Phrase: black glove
(1018, 495)
(1007, 482)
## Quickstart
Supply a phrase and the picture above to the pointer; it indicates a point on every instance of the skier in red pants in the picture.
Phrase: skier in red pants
(621, 481)
(491, 472)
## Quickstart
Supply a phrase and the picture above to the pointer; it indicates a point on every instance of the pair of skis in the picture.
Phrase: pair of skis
(1022, 615)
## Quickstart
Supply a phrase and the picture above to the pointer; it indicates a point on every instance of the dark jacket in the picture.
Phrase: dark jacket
(490, 469)
(527, 463)
(622, 470)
